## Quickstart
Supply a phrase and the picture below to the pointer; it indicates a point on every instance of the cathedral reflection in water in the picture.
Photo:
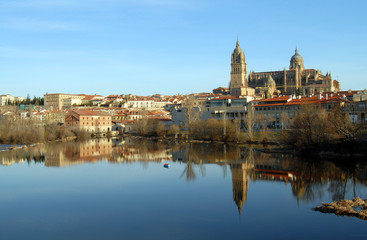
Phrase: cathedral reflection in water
(247, 164)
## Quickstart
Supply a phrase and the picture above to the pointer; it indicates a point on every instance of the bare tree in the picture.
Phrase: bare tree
(250, 122)
(285, 120)
(310, 126)
(343, 124)
(192, 110)
(174, 129)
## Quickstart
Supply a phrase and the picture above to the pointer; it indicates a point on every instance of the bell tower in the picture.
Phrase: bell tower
(238, 68)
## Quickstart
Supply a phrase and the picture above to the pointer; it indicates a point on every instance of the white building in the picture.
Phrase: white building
(146, 103)
(4, 99)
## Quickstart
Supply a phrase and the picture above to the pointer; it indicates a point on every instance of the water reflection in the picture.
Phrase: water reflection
(309, 180)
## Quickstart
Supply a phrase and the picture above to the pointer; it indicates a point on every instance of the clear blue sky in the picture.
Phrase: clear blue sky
(172, 46)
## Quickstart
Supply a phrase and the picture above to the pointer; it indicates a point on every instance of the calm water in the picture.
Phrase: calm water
(120, 190)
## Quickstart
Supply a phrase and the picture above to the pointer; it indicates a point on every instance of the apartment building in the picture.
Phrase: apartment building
(91, 121)
(58, 101)
(5, 99)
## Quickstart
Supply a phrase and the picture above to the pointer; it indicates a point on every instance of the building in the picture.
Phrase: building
(91, 121)
(226, 107)
(357, 111)
(360, 96)
(56, 116)
(296, 80)
(238, 85)
(92, 99)
(141, 102)
(279, 112)
(5, 99)
(148, 103)
(219, 107)
(59, 101)
(221, 91)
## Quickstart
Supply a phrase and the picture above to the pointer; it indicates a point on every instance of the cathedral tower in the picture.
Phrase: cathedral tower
(238, 69)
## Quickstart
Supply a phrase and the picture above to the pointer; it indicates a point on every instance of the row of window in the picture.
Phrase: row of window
(87, 118)
(92, 124)
(278, 108)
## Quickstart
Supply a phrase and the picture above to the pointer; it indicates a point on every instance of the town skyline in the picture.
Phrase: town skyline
(170, 47)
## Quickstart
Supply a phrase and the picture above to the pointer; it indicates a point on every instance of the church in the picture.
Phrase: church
(296, 80)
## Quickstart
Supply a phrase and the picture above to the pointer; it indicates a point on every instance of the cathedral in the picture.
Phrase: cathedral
(295, 80)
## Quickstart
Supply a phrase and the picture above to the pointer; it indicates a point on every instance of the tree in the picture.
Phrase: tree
(159, 128)
(343, 124)
(192, 110)
(174, 129)
(285, 120)
(310, 126)
(27, 100)
(250, 122)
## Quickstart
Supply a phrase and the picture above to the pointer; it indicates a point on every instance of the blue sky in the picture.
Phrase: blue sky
(171, 46)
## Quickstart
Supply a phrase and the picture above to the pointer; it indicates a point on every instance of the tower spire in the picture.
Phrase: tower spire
(237, 43)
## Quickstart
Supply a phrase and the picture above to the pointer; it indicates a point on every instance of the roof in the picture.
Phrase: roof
(291, 70)
(48, 94)
(83, 112)
(114, 96)
(221, 97)
(91, 97)
(221, 88)
(298, 101)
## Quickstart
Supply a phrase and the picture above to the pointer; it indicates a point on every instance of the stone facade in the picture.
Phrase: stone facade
(91, 121)
(238, 85)
(296, 80)
(59, 101)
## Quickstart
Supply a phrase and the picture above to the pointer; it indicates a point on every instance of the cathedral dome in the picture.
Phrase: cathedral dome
(296, 60)
(296, 57)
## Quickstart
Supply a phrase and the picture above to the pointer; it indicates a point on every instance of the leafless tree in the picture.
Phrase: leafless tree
(250, 122)
(285, 120)
(174, 129)
(343, 125)
(192, 110)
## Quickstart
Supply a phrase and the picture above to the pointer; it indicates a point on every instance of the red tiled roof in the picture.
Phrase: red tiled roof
(84, 112)
(220, 97)
(303, 100)
(221, 88)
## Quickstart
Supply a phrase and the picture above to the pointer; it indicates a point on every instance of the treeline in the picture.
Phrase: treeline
(21, 131)
(216, 130)
(316, 128)
(209, 130)
(312, 127)
(28, 101)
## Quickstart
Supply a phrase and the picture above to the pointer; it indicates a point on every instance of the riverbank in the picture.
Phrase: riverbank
(274, 144)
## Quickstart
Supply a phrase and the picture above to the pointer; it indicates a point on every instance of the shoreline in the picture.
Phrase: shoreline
(327, 152)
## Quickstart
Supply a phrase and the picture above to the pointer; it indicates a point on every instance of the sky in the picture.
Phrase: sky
(171, 47)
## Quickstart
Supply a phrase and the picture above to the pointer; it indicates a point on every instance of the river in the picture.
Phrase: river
(119, 189)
